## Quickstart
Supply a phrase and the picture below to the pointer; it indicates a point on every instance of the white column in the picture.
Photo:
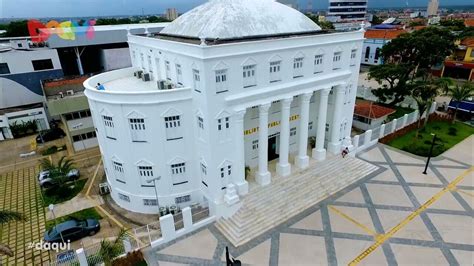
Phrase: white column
(283, 167)
(334, 145)
(382, 131)
(81, 257)
(239, 178)
(263, 175)
(78, 60)
(319, 153)
(302, 160)
(394, 125)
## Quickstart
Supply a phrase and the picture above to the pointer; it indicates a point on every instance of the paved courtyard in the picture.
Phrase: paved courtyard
(397, 215)
(19, 192)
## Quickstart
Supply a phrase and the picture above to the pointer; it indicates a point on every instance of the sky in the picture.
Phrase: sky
(78, 8)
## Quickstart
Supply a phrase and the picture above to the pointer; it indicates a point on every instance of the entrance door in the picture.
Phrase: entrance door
(272, 148)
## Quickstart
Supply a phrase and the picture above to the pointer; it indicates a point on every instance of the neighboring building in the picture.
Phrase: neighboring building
(433, 6)
(107, 50)
(204, 100)
(368, 115)
(171, 14)
(461, 64)
(465, 109)
(345, 10)
(290, 3)
(20, 115)
(66, 101)
(375, 40)
(22, 67)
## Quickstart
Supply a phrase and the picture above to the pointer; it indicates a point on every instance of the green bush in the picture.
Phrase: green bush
(51, 150)
(452, 131)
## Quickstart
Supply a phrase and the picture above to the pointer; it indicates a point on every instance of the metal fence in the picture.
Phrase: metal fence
(68, 258)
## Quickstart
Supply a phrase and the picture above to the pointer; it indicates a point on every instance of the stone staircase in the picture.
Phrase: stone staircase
(266, 207)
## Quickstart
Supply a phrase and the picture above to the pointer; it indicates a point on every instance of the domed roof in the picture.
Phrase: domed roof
(230, 19)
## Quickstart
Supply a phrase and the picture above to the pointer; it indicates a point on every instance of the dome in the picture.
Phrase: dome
(230, 19)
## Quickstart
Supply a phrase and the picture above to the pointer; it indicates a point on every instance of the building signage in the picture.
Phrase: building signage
(66, 30)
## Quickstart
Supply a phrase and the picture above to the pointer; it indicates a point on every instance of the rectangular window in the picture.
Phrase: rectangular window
(310, 125)
(109, 126)
(293, 132)
(150, 66)
(249, 76)
(203, 174)
(255, 144)
(197, 80)
(298, 67)
(42, 64)
(137, 129)
(203, 169)
(168, 70)
(223, 127)
(173, 127)
(225, 174)
(150, 202)
(336, 60)
(200, 122)
(318, 63)
(145, 173)
(4, 68)
(119, 171)
(275, 74)
(353, 57)
(182, 199)
(178, 173)
(221, 81)
(124, 197)
(179, 74)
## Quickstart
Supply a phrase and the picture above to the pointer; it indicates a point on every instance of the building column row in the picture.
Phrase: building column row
(319, 152)
(263, 176)
(283, 167)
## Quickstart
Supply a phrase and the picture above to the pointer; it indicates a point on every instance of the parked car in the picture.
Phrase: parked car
(46, 182)
(49, 135)
(72, 230)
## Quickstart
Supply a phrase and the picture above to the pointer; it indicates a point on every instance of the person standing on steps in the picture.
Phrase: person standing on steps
(345, 152)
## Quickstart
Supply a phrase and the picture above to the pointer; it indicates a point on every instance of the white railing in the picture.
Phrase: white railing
(371, 137)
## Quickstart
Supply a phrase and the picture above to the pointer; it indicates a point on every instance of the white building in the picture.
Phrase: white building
(375, 40)
(433, 6)
(233, 83)
(347, 10)
(171, 14)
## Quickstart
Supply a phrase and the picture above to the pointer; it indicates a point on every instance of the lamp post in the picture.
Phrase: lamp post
(51, 208)
(154, 179)
(431, 151)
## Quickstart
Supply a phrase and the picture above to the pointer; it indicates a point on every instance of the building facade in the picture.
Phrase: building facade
(433, 6)
(374, 42)
(171, 14)
(347, 10)
(204, 101)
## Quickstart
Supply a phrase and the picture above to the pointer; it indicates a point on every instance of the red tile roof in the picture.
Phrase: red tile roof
(371, 110)
(469, 41)
(469, 22)
(65, 81)
(383, 34)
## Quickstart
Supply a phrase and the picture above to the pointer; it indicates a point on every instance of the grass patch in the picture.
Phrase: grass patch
(57, 195)
(89, 213)
(447, 135)
(53, 149)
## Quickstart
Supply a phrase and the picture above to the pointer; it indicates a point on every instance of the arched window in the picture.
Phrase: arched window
(377, 55)
(367, 53)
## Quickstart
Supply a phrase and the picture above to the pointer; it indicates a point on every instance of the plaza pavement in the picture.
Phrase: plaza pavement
(382, 219)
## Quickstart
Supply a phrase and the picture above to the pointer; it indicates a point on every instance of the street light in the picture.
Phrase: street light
(431, 151)
(51, 208)
(154, 179)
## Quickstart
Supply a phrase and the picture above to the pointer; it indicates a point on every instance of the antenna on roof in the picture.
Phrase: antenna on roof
(128, 30)
(362, 26)
(147, 33)
(203, 40)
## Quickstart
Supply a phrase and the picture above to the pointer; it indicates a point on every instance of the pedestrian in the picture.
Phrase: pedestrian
(100, 87)
(345, 152)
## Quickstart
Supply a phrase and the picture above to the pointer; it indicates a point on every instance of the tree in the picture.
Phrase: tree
(376, 20)
(59, 171)
(395, 76)
(408, 58)
(459, 94)
(17, 29)
(453, 24)
(424, 93)
(444, 84)
(109, 250)
(6, 217)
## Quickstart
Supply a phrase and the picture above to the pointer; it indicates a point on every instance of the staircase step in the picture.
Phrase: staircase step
(266, 207)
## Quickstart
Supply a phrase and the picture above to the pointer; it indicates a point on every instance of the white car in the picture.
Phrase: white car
(47, 182)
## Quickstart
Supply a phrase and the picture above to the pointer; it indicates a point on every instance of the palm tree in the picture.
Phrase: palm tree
(424, 93)
(6, 217)
(459, 94)
(59, 171)
(444, 84)
(109, 250)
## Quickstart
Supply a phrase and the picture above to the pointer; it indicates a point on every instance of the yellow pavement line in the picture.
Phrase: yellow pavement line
(465, 192)
(109, 216)
(93, 178)
(380, 240)
(363, 227)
